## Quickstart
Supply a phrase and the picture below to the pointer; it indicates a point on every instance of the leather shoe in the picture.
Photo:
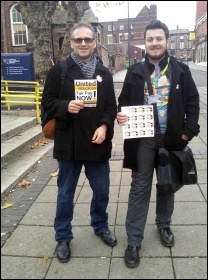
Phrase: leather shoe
(166, 237)
(63, 252)
(107, 237)
(131, 257)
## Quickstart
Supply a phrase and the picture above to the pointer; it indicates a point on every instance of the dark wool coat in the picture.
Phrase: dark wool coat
(183, 106)
(74, 132)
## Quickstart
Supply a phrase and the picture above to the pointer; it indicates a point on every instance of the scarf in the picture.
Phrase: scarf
(88, 68)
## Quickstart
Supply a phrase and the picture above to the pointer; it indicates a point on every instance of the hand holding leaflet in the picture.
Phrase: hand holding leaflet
(140, 122)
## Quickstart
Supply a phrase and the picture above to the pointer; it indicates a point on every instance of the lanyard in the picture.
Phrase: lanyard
(156, 78)
(166, 67)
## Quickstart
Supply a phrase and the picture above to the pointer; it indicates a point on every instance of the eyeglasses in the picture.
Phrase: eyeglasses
(80, 40)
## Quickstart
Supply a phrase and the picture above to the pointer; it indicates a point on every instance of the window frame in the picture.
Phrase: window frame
(120, 36)
(126, 36)
(20, 31)
(110, 38)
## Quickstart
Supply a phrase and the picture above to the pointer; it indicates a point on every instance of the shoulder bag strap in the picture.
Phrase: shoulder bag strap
(64, 69)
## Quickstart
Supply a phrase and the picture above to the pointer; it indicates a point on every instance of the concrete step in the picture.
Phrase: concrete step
(19, 133)
(13, 147)
(22, 111)
(14, 125)
(14, 172)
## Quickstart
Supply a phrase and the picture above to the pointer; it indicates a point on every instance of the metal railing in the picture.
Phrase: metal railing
(22, 92)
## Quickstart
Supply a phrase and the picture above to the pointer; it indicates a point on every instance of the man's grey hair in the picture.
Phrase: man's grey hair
(82, 24)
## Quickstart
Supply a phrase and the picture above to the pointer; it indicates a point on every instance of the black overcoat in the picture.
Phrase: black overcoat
(183, 106)
(74, 132)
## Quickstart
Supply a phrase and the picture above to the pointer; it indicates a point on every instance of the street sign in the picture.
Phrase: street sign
(17, 66)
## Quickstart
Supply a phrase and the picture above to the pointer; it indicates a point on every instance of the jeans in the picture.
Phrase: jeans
(98, 174)
(140, 192)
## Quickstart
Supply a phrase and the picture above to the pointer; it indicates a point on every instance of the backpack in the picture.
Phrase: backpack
(45, 118)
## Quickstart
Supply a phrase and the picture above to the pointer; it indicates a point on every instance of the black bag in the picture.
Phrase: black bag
(175, 169)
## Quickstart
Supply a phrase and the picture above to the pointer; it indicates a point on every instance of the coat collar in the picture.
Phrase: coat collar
(162, 63)
(174, 71)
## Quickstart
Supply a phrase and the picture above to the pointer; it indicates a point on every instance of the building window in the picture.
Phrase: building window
(203, 57)
(132, 26)
(110, 39)
(126, 36)
(181, 45)
(172, 45)
(61, 40)
(120, 37)
(182, 37)
(111, 27)
(121, 27)
(19, 29)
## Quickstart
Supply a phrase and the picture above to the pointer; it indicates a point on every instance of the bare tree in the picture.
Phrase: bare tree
(75, 12)
(37, 15)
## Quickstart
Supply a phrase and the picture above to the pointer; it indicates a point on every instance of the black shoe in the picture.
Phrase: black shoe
(166, 237)
(131, 257)
(107, 237)
(63, 252)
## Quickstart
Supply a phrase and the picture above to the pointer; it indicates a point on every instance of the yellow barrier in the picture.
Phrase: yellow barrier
(20, 91)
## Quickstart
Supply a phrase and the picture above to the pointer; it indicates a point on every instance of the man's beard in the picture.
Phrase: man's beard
(156, 57)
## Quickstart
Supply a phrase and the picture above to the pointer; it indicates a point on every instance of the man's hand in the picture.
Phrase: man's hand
(100, 134)
(75, 106)
(184, 137)
(121, 118)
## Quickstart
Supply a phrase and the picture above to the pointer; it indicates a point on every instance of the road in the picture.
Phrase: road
(200, 78)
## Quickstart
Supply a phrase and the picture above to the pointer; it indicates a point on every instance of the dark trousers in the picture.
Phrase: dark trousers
(140, 192)
(98, 175)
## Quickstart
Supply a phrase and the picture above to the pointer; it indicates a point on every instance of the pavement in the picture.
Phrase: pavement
(27, 233)
(118, 77)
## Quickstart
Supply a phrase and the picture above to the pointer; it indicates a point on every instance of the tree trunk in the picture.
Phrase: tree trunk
(75, 12)
(37, 16)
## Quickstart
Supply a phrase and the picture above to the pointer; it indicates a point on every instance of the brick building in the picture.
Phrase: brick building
(180, 44)
(11, 24)
(201, 33)
(128, 32)
(14, 34)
